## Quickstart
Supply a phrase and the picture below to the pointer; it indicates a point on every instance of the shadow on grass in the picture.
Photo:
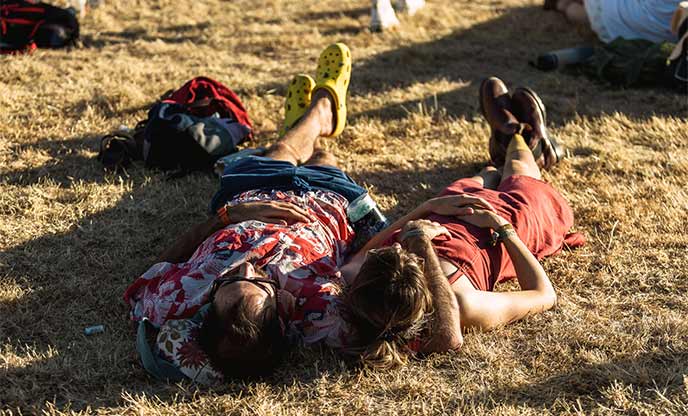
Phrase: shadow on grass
(413, 186)
(170, 34)
(500, 47)
(66, 162)
(75, 278)
(334, 14)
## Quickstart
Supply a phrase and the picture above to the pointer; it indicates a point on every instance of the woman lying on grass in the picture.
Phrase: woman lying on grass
(417, 284)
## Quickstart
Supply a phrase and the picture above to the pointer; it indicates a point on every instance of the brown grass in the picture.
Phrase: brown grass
(72, 238)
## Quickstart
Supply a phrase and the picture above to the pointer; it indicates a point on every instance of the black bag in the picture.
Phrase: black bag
(194, 126)
(177, 140)
(24, 26)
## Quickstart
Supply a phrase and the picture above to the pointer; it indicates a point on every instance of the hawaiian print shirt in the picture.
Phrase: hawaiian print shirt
(303, 257)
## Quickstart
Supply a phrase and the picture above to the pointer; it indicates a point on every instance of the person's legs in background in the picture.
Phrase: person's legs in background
(575, 12)
(382, 16)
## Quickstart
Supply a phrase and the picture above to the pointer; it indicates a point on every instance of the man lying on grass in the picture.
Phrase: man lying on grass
(268, 263)
(419, 283)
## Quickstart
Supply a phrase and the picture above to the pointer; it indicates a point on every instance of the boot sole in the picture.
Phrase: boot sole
(558, 150)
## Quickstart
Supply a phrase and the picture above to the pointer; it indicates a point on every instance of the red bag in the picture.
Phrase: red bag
(194, 126)
(204, 97)
(25, 25)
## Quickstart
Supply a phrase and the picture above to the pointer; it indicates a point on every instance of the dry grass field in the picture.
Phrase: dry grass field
(73, 237)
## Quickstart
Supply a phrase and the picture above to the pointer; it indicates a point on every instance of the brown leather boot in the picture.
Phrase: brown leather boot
(495, 104)
(529, 109)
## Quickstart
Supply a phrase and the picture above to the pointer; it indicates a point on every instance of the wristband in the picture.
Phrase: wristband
(416, 232)
(502, 233)
(223, 215)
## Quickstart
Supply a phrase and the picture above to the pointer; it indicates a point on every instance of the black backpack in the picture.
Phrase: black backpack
(25, 25)
(194, 126)
(186, 130)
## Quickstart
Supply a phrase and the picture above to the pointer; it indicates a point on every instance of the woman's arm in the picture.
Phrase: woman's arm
(419, 212)
(353, 264)
(491, 309)
(445, 323)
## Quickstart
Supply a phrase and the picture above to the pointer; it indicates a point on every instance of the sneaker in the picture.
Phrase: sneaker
(410, 7)
(382, 16)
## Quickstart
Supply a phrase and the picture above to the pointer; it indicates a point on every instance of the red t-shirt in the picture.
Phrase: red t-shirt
(539, 214)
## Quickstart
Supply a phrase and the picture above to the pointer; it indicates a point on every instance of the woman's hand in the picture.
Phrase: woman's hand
(274, 212)
(426, 228)
(453, 205)
(484, 219)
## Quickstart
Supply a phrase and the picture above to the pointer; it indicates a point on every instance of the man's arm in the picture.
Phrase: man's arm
(270, 211)
(445, 323)
(188, 242)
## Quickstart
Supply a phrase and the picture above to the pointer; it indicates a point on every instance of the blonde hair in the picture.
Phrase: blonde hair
(386, 306)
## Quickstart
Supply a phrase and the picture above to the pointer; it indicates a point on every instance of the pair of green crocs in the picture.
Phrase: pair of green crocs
(333, 74)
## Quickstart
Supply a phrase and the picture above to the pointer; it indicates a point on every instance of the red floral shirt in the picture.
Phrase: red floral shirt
(303, 257)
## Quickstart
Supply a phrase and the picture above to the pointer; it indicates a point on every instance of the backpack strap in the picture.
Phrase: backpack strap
(119, 149)
(157, 367)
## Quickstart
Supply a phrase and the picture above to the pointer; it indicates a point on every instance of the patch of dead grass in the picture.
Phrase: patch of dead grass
(72, 238)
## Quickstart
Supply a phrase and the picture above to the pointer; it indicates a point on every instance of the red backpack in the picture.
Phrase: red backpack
(204, 97)
(25, 25)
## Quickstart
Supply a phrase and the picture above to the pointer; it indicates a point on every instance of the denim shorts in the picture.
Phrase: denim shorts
(258, 172)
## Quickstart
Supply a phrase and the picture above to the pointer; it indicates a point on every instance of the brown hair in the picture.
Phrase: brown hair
(386, 307)
(243, 342)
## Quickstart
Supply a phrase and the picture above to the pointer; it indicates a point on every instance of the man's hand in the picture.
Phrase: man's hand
(274, 212)
(456, 205)
(426, 228)
(484, 219)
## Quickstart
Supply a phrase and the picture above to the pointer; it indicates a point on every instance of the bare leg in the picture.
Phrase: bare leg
(576, 14)
(488, 177)
(298, 144)
(519, 160)
(321, 156)
(563, 4)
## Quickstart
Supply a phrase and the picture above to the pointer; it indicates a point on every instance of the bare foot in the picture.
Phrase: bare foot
(323, 105)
